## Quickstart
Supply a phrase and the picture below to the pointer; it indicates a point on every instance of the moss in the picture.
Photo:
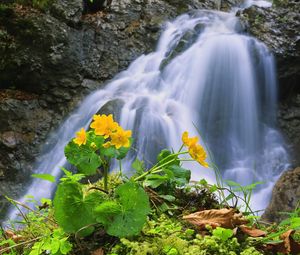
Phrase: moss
(280, 3)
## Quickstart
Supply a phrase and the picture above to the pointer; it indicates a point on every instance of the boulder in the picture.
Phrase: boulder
(285, 196)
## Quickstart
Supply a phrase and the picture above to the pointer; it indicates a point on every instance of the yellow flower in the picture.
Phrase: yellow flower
(188, 141)
(107, 145)
(121, 138)
(104, 125)
(198, 153)
(80, 137)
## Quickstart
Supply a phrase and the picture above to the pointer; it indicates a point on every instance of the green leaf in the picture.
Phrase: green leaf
(203, 182)
(155, 180)
(55, 245)
(106, 211)
(46, 177)
(73, 210)
(70, 177)
(165, 156)
(223, 233)
(168, 198)
(138, 166)
(182, 176)
(163, 207)
(213, 188)
(232, 183)
(65, 246)
(128, 221)
(93, 138)
(83, 157)
(230, 196)
(109, 152)
(295, 223)
(252, 186)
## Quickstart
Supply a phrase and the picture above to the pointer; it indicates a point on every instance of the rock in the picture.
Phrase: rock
(52, 58)
(285, 196)
(278, 27)
(289, 122)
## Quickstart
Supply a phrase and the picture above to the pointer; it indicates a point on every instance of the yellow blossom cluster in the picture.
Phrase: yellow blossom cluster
(104, 125)
(80, 137)
(195, 150)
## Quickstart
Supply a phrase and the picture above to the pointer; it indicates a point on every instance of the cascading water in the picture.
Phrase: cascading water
(204, 74)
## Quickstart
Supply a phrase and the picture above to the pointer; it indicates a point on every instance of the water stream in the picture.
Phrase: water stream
(205, 73)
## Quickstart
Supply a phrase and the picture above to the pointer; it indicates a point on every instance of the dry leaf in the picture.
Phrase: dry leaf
(288, 246)
(226, 218)
(11, 235)
(99, 251)
(253, 232)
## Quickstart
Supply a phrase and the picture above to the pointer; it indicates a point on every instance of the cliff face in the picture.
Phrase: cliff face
(49, 60)
(278, 28)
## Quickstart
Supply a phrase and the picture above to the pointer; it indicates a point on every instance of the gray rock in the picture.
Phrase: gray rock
(278, 28)
(285, 196)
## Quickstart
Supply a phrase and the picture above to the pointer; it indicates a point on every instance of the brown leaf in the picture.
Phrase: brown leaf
(15, 237)
(253, 232)
(288, 246)
(289, 243)
(226, 218)
(99, 251)
(9, 233)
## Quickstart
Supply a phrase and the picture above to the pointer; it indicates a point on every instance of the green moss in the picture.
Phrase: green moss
(170, 236)
(280, 3)
(37, 4)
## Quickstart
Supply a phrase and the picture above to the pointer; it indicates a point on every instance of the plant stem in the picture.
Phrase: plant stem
(19, 244)
(105, 176)
(157, 168)
(120, 168)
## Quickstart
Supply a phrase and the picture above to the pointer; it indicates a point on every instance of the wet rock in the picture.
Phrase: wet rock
(50, 59)
(285, 196)
(289, 122)
(278, 27)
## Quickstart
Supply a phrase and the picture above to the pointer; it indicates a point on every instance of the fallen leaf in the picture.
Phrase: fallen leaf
(226, 218)
(253, 232)
(289, 243)
(288, 246)
(9, 233)
(99, 251)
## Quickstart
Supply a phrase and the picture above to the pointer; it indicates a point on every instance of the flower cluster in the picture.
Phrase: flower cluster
(105, 126)
(80, 137)
(195, 150)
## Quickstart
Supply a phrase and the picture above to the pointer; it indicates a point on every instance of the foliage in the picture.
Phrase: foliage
(39, 235)
(167, 236)
(119, 207)
(55, 244)
(246, 191)
(126, 215)
(95, 148)
(71, 204)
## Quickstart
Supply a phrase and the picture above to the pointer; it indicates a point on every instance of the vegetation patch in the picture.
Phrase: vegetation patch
(156, 211)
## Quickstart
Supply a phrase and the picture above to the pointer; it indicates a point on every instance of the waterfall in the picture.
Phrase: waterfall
(205, 73)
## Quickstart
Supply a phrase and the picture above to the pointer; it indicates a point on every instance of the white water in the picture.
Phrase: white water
(221, 81)
(260, 3)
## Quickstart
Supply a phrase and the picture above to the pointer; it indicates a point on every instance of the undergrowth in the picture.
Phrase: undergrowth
(157, 211)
